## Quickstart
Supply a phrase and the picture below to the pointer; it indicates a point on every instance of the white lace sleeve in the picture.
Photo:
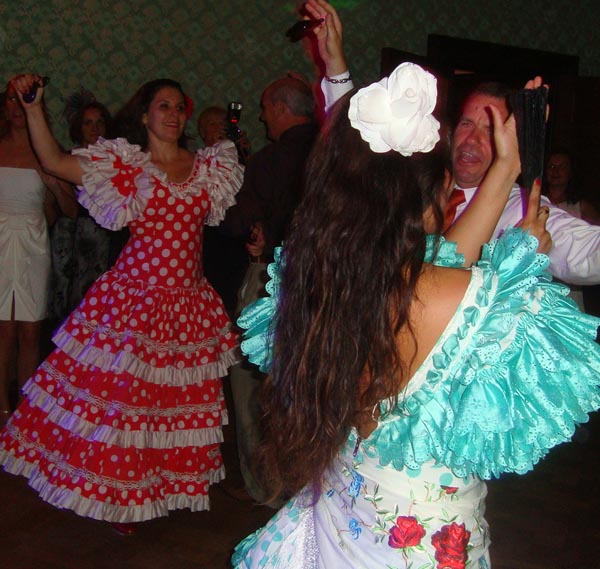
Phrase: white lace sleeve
(222, 175)
(118, 180)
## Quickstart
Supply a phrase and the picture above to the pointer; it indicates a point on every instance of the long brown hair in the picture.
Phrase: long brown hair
(352, 260)
(128, 121)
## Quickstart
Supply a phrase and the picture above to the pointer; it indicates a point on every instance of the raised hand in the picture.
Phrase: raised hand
(534, 83)
(329, 36)
(28, 84)
(50, 155)
(535, 219)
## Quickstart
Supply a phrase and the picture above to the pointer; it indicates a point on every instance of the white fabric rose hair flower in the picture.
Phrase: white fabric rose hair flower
(395, 113)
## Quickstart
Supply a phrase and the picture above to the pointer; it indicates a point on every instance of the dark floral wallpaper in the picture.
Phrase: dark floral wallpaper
(225, 50)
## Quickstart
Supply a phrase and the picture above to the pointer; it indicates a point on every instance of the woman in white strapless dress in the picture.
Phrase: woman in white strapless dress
(28, 201)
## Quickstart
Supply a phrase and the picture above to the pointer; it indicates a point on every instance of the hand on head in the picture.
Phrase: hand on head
(505, 132)
(535, 219)
(505, 140)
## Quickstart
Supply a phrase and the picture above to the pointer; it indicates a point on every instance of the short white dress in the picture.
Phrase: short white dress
(24, 245)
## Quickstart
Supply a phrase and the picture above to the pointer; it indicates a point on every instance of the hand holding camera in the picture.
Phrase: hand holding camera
(233, 131)
(234, 113)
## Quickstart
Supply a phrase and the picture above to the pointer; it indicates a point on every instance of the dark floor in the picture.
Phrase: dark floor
(549, 519)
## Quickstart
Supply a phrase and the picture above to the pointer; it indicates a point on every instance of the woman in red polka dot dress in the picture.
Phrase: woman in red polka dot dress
(122, 422)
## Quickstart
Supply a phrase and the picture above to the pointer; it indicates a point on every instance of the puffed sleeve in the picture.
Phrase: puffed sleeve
(533, 371)
(118, 181)
(511, 377)
(222, 175)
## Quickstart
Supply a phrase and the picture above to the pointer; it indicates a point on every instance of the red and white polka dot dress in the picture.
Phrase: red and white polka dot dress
(122, 422)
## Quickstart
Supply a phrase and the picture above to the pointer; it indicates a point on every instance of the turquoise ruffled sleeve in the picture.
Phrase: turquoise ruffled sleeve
(258, 319)
(513, 374)
(442, 253)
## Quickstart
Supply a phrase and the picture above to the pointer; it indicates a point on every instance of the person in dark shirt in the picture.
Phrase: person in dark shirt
(265, 206)
(271, 189)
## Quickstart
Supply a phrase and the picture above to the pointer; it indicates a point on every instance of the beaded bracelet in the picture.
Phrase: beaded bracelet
(344, 80)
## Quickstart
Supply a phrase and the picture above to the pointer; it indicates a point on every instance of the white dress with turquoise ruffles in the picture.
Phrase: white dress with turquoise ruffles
(512, 375)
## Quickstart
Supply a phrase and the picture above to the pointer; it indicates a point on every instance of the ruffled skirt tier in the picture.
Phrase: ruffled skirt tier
(122, 422)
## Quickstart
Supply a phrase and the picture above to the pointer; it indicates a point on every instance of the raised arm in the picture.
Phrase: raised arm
(329, 36)
(49, 153)
(336, 81)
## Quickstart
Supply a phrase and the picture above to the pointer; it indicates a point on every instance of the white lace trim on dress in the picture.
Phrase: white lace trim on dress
(99, 510)
(119, 179)
(127, 361)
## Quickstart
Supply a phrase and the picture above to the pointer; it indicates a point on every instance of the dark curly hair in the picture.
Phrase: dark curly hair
(76, 124)
(352, 260)
(128, 121)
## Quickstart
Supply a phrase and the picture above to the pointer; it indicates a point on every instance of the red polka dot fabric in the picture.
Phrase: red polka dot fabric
(122, 422)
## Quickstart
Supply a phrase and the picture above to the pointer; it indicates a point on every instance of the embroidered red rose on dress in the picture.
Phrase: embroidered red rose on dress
(451, 546)
(407, 532)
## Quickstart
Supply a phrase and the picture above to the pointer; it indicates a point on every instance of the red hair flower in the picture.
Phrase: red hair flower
(189, 107)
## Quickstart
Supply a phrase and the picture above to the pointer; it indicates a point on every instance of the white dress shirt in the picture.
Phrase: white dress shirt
(333, 91)
(575, 255)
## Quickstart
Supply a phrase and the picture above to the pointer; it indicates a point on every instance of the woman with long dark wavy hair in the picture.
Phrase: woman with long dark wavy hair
(399, 381)
(123, 421)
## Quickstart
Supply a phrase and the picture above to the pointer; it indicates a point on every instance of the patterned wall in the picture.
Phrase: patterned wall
(230, 49)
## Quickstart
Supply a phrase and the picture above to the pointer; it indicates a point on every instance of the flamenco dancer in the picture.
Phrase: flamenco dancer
(399, 380)
(122, 422)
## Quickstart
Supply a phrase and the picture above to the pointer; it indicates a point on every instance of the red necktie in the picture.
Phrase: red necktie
(456, 198)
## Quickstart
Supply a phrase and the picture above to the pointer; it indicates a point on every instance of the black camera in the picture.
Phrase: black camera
(234, 113)
(302, 29)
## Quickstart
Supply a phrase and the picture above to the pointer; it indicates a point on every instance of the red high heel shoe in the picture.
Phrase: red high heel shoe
(124, 529)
